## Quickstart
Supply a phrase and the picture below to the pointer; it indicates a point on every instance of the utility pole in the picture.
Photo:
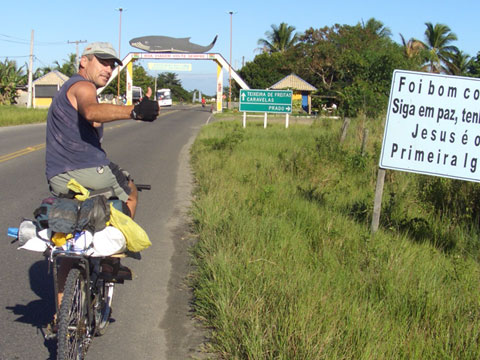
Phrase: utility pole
(30, 74)
(76, 50)
(230, 66)
(119, 43)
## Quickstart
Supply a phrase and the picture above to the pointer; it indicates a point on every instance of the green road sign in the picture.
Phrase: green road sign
(269, 101)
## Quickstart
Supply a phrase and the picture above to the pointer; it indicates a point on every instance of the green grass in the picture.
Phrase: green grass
(13, 115)
(287, 267)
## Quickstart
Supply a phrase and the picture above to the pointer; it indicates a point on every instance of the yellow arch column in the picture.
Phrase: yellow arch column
(219, 87)
(129, 82)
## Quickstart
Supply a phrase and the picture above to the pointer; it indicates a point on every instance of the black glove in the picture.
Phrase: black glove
(145, 110)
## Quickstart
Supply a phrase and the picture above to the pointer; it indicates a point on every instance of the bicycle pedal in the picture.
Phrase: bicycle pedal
(50, 332)
(50, 336)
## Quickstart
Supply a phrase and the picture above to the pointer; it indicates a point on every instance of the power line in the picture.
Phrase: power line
(41, 62)
(13, 56)
(15, 40)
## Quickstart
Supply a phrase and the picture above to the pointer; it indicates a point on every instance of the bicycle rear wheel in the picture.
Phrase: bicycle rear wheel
(72, 318)
(103, 308)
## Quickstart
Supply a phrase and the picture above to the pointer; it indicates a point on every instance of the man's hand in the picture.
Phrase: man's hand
(146, 110)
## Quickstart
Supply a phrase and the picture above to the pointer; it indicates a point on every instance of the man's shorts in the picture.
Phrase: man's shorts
(94, 179)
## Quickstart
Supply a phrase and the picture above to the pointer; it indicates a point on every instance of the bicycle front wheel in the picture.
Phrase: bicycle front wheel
(72, 318)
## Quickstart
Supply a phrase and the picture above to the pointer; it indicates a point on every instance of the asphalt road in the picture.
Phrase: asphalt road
(151, 314)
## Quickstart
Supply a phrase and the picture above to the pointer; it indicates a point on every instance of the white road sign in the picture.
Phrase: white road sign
(433, 125)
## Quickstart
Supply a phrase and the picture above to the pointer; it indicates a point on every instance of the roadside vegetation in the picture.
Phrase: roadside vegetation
(286, 265)
(12, 115)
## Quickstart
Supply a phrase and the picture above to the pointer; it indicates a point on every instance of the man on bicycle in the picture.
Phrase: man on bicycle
(75, 130)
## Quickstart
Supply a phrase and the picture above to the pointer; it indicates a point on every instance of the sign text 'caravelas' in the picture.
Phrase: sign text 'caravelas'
(433, 126)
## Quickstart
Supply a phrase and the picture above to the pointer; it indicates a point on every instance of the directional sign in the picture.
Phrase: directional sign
(266, 101)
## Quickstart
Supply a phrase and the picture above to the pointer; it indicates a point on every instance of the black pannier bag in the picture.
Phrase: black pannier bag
(94, 214)
(70, 215)
(63, 215)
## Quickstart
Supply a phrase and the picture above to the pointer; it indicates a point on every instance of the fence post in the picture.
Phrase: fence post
(364, 141)
(345, 125)
(377, 205)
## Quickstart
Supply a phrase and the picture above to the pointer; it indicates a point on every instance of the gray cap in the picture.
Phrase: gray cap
(102, 50)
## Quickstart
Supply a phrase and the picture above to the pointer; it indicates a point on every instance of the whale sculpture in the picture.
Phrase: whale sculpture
(165, 44)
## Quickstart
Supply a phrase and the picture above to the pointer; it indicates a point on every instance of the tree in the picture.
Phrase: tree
(41, 71)
(69, 67)
(140, 78)
(170, 81)
(412, 48)
(438, 38)
(473, 67)
(316, 57)
(10, 78)
(351, 64)
(280, 39)
(458, 63)
(265, 70)
(378, 28)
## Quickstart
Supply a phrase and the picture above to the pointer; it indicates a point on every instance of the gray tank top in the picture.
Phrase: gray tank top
(72, 142)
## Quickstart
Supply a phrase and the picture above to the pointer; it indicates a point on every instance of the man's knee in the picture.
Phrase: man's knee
(132, 198)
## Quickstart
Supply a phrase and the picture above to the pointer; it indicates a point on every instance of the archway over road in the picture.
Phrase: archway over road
(219, 59)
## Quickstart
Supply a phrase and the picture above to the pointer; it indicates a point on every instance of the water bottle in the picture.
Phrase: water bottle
(12, 232)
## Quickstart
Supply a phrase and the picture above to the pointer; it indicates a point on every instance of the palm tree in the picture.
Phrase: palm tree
(168, 80)
(69, 67)
(412, 47)
(377, 27)
(10, 77)
(438, 39)
(41, 71)
(474, 66)
(458, 63)
(280, 39)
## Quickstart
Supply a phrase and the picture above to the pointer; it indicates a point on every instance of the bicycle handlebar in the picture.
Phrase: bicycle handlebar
(141, 187)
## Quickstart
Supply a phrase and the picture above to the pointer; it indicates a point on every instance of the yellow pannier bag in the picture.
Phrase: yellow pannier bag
(136, 238)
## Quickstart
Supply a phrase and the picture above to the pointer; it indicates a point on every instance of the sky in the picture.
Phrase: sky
(57, 25)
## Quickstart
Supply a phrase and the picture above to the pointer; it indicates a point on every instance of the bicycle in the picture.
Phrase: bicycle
(86, 305)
